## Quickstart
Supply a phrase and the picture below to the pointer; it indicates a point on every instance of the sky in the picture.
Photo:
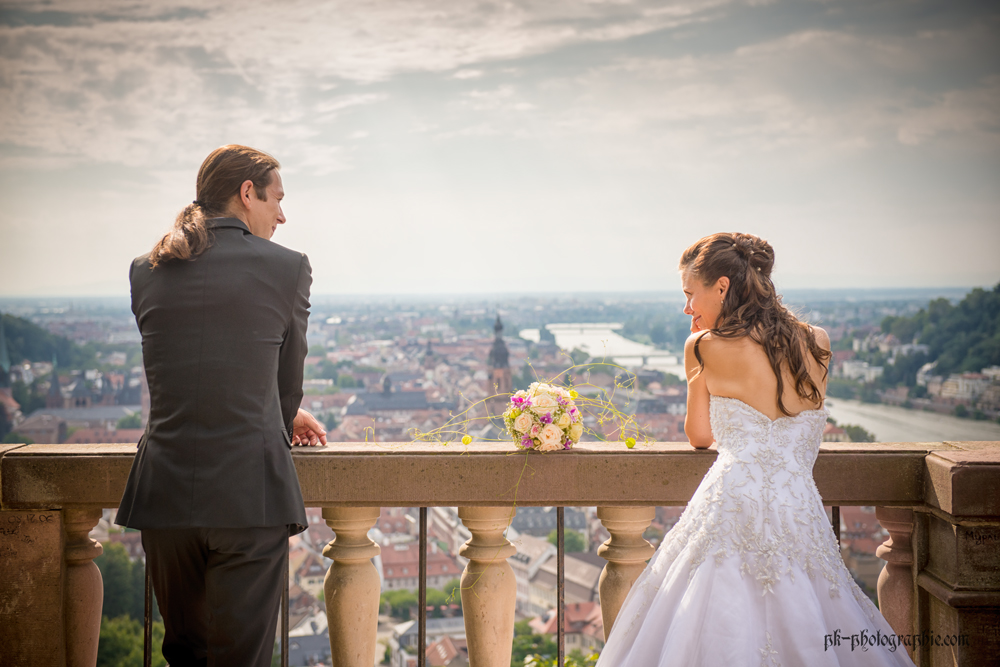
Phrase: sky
(453, 146)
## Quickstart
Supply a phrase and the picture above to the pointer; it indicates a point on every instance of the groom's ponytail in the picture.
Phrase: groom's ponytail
(752, 307)
(219, 180)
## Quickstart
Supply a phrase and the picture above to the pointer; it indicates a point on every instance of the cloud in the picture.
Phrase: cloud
(137, 84)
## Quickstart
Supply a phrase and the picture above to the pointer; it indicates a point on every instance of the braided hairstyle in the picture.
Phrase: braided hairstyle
(752, 307)
(219, 180)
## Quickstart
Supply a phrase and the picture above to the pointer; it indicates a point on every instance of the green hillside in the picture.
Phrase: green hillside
(962, 337)
(29, 341)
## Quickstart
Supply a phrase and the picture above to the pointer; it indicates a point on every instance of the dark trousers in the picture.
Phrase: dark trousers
(219, 592)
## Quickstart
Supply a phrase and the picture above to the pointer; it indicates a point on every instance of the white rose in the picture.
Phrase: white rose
(550, 438)
(575, 431)
(543, 404)
(563, 421)
(523, 423)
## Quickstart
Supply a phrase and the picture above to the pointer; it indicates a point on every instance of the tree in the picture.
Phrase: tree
(124, 583)
(857, 433)
(29, 341)
(399, 603)
(120, 643)
(961, 411)
(14, 438)
(961, 337)
(133, 420)
(573, 541)
(28, 397)
(527, 643)
(116, 570)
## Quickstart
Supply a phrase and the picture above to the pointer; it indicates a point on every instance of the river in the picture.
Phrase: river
(889, 423)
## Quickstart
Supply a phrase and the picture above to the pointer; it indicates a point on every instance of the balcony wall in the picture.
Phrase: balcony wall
(940, 503)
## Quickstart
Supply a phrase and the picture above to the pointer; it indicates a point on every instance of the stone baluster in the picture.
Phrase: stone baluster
(895, 583)
(626, 553)
(351, 588)
(489, 589)
(84, 592)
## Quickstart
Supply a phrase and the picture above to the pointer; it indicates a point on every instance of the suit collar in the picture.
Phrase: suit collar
(218, 223)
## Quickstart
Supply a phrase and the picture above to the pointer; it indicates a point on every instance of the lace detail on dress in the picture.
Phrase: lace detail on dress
(757, 503)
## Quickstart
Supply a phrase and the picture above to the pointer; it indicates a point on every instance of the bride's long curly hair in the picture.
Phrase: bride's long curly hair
(752, 307)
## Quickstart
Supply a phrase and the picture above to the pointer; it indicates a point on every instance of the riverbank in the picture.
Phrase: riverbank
(889, 423)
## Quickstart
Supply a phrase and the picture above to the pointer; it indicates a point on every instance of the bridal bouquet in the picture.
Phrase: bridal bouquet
(544, 418)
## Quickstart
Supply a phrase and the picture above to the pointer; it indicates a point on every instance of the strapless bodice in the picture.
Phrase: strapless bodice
(749, 436)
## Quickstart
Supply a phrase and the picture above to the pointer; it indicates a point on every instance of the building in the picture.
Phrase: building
(99, 416)
(583, 625)
(860, 370)
(83, 436)
(531, 553)
(833, 433)
(403, 642)
(43, 429)
(860, 535)
(582, 576)
(448, 652)
(540, 521)
(498, 361)
(401, 566)
(311, 574)
(964, 387)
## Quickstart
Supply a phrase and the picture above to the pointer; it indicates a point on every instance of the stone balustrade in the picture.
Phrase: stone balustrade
(940, 503)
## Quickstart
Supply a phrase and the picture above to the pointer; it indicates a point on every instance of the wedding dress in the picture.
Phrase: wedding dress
(751, 574)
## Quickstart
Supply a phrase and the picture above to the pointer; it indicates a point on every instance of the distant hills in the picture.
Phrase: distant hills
(962, 337)
(29, 341)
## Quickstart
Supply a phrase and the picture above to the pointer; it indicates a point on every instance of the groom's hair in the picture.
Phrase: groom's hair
(219, 180)
(752, 307)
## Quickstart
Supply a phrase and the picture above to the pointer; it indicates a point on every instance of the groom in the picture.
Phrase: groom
(222, 312)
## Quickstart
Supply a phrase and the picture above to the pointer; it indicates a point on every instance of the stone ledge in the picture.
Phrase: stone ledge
(410, 474)
(964, 483)
(957, 598)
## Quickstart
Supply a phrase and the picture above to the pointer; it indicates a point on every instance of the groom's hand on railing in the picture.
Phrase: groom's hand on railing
(306, 430)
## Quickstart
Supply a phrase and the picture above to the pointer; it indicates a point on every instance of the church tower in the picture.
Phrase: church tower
(4, 360)
(55, 399)
(501, 381)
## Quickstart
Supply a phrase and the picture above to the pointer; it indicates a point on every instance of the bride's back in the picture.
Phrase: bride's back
(740, 368)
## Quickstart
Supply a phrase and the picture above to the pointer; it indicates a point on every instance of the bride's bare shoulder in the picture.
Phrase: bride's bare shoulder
(822, 337)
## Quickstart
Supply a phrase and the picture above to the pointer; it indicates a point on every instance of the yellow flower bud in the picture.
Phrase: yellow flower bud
(630, 442)
(466, 439)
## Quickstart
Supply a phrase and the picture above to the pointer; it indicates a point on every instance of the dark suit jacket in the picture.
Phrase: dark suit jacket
(223, 344)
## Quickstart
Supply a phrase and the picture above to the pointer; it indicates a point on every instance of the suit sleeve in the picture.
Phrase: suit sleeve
(292, 356)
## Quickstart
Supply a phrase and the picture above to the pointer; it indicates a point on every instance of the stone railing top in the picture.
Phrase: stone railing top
(961, 478)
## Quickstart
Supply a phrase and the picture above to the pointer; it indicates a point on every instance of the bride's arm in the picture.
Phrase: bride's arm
(697, 426)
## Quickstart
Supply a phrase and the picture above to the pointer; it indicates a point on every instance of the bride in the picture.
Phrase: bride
(751, 574)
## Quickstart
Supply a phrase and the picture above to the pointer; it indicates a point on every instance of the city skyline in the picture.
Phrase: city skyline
(511, 148)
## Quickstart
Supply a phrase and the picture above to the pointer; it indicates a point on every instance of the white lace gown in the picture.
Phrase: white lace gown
(751, 574)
